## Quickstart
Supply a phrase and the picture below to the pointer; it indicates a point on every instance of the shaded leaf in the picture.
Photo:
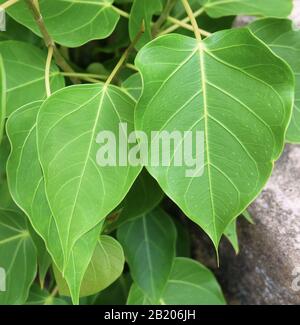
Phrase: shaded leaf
(189, 283)
(2, 97)
(149, 245)
(38, 296)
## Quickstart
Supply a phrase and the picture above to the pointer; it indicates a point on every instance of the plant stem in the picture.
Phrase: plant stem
(8, 3)
(131, 66)
(60, 60)
(125, 56)
(193, 20)
(120, 12)
(185, 20)
(186, 26)
(163, 17)
(47, 71)
(54, 292)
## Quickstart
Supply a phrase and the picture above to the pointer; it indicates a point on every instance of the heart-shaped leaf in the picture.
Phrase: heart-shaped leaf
(189, 283)
(105, 267)
(28, 191)
(280, 36)
(81, 192)
(38, 296)
(133, 86)
(149, 245)
(70, 23)
(204, 87)
(24, 65)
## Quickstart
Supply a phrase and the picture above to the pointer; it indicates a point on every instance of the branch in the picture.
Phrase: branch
(8, 3)
(60, 60)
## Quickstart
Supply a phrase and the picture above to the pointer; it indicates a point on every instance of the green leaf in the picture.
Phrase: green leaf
(183, 243)
(38, 296)
(149, 245)
(205, 87)
(284, 41)
(17, 258)
(144, 195)
(248, 217)
(133, 86)
(28, 191)
(143, 11)
(71, 23)
(25, 76)
(80, 192)
(2, 97)
(189, 283)
(105, 267)
(274, 8)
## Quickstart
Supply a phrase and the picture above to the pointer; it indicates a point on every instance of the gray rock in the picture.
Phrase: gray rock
(267, 270)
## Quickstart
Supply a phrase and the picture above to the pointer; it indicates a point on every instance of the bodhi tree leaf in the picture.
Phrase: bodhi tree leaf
(149, 245)
(280, 36)
(105, 267)
(274, 8)
(17, 258)
(71, 23)
(143, 11)
(26, 184)
(25, 74)
(38, 296)
(231, 234)
(204, 87)
(2, 97)
(81, 188)
(189, 283)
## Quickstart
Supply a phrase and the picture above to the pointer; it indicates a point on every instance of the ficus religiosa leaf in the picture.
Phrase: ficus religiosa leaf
(26, 183)
(81, 188)
(24, 65)
(2, 97)
(204, 86)
(105, 267)
(70, 22)
(142, 12)
(149, 245)
(189, 283)
(280, 36)
(231, 234)
(271, 8)
(17, 258)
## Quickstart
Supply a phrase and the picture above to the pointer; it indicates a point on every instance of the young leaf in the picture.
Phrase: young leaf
(189, 283)
(25, 76)
(28, 191)
(17, 258)
(204, 87)
(143, 11)
(81, 193)
(149, 245)
(105, 267)
(280, 36)
(273, 8)
(70, 23)
(38, 296)
(2, 97)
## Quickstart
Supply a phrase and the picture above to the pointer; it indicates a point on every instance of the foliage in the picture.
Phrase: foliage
(69, 225)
